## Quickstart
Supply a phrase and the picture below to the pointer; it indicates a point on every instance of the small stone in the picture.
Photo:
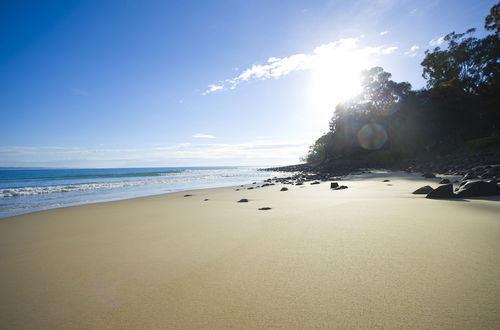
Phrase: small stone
(250, 188)
(264, 208)
(188, 195)
(334, 185)
(284, 189)
(386, 180)
(243, 200)
(315, 182)
(206, 199)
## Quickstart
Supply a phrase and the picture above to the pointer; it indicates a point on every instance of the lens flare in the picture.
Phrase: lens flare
(372, 136)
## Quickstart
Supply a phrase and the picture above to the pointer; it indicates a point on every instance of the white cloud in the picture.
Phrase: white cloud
(203, 136)
(412, 51)
(213, 88)
(383, 33)
(389, 50)
(276, 67)
(436, 41)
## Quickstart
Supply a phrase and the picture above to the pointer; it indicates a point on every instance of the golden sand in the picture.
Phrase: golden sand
(370, 256)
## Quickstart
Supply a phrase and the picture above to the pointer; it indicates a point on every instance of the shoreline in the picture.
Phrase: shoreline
(115, 200)
(32, 191)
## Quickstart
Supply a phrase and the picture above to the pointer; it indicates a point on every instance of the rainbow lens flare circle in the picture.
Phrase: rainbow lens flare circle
(372, 136)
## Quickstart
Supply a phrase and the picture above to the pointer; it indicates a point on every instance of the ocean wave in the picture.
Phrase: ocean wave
(177, 179)
(28, 191)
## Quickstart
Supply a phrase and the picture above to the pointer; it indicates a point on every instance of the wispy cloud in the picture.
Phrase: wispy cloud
(437, 41)
(413, 51)
(203, 136)
(276, 67)
(383, 33)
(213, 88)
(389, 50)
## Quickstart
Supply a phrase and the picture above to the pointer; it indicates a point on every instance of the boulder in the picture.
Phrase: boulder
(478, 188)
(334, 185)
(423, 190)
(444, 191)
(284, 189)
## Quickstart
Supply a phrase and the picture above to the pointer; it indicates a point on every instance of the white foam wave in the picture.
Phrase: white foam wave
(186, 177)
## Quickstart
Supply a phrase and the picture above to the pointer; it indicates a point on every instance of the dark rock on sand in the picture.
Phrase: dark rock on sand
(264, 208)
(188, 195)
(386, 180)
(423, 190)
(206, 199)
(478, 188)
(284, 189)
(444, 191)
(315, 182)
(243, 200)
(250, 188)
(340, 188)
(334, 185)
(444, 181)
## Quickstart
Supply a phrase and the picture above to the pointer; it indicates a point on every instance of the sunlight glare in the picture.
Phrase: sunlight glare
(335, 78)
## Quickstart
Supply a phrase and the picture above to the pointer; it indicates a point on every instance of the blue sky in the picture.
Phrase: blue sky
(174, 83)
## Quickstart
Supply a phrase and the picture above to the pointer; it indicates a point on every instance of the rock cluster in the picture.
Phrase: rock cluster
(476, 188)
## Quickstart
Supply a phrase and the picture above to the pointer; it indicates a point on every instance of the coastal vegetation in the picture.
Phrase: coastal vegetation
(457, 112)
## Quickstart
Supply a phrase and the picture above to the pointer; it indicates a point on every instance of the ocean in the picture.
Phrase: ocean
(29, 190)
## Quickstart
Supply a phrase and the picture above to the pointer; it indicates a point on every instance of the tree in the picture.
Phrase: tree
(492, 21)
(457, 66)
(380, 91)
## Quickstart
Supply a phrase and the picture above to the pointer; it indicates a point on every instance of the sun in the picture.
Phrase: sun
(335, 78)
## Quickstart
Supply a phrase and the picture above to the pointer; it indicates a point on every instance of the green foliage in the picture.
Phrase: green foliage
(486, 144)
(492, 21)
(460, 107)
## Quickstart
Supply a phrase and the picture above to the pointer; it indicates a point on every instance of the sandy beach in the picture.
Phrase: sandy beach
(370, 256)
